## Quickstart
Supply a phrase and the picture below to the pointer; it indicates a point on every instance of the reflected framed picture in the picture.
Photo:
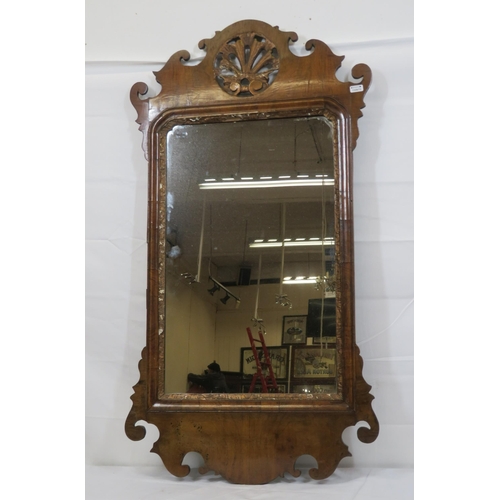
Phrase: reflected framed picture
(314, 362)
(278, 356)
(294, 330)
(324, 340)
(314, 388)
(282, 388)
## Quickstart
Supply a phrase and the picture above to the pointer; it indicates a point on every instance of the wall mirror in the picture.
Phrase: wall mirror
(250, 319)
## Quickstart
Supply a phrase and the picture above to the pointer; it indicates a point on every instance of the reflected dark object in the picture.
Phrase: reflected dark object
(218, 286)
(244, 276)
(316, 310)
(212, 379)
(225, 299)
(215, 288)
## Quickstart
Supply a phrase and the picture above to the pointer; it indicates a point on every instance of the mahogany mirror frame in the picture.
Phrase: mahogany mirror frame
(222, 428)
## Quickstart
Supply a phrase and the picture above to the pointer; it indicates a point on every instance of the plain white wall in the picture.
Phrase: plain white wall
(152, 30)
(125, 42)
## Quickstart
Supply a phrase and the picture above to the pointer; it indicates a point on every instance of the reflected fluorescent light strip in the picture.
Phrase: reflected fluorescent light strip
(289, 280)
(298, 242)
(266, 181)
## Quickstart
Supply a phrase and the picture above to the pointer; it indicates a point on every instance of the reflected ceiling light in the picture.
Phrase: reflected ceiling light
(297, 242)
(289, 280)
(283, 300)
(267, 181)
(225, 299)
(189, 277)
(326, 282)
(216, 288)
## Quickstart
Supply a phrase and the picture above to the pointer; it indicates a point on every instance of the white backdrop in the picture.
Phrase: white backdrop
(126, 41)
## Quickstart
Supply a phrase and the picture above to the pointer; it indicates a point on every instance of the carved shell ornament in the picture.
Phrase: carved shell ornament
(246, 65)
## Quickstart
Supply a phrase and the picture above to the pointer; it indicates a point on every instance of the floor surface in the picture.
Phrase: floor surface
(152, 483)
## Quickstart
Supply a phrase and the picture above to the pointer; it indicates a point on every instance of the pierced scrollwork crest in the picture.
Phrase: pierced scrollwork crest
(246, 65)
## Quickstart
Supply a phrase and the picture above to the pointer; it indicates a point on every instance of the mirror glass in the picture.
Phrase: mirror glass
(251, 254)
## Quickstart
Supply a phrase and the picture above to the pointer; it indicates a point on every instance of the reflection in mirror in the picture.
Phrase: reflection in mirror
(250, 267)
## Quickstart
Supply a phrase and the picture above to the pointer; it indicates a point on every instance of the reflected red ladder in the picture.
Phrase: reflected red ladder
(268, 381)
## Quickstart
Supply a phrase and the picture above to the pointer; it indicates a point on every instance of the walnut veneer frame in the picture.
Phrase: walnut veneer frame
(252, 439)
